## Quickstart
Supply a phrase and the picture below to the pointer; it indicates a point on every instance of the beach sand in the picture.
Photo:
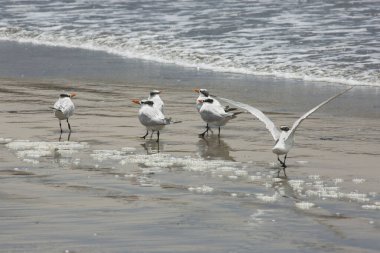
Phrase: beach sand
(107, 190)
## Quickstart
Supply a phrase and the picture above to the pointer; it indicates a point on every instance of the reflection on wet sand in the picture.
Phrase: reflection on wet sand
(68, 136)
(152, 147)
(214, 148)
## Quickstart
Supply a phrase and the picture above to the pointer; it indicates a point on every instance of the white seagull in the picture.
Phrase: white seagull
(151, 117)
(157, 101)
(284, 136)
(203, 94)
(214, 114)
(64, 108)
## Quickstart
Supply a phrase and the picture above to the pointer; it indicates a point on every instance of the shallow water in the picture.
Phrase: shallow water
(106, 190)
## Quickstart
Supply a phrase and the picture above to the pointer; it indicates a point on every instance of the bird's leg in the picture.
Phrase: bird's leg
(145, 134)
(68, 137)
(151, 134)
(278, 172)
(281, 162)
(284, 166)
(219, 132)
(68, 124)
(203, 134)
(209, 128)
(158, 136)
(60, 137)
(60, 126)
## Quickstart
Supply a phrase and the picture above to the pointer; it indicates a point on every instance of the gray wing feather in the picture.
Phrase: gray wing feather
(298, 122)
(258, 114)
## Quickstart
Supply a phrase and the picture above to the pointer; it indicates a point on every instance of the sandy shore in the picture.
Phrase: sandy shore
(117, 190)
(328, 144)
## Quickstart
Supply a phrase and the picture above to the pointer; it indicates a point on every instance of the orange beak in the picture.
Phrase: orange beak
(73, 94)
(196, 90)
(136, 101)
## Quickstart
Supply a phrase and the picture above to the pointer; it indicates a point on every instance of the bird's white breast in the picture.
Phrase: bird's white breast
(214, 114)
(284, 144)
(157, 102)
(151, 117)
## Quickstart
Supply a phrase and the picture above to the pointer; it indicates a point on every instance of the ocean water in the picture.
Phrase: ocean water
(333, 41)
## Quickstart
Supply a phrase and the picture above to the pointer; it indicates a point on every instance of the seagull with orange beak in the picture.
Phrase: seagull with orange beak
(151, 117)
(213, 113)
(203, 93)
(64, 108)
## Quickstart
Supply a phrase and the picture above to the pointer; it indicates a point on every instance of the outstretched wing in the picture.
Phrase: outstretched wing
(258, 114)
(298, 122)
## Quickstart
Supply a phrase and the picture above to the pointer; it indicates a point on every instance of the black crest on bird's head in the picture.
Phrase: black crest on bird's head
(284, 128)
(147, 102)
(204, 92)
(64, 95)
(154, 92)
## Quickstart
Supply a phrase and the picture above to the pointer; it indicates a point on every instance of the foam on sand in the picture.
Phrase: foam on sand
(266, 198)
(304, 205)
(201, 189)
(161, 160)
(32, 151)
(5, 140)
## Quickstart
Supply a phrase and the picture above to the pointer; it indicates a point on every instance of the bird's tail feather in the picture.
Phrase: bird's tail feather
(169, 121)
(55, 109)
(236, 113)
(228, 109)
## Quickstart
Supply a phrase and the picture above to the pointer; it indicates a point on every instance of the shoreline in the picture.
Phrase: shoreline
(36, 62)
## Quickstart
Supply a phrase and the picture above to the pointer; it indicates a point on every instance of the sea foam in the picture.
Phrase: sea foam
(32, 151)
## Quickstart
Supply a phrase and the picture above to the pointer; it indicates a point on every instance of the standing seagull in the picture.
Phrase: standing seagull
(203, 94)
(284, 137)
(214, 114)
(151, 117)
(157, 101)
(64, 108)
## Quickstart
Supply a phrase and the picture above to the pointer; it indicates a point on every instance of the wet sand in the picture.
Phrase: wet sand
(107, 190)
